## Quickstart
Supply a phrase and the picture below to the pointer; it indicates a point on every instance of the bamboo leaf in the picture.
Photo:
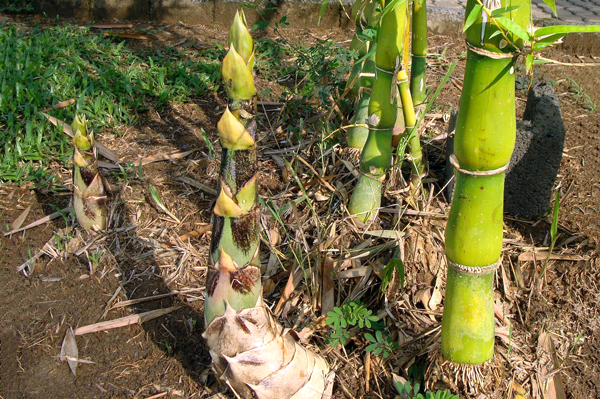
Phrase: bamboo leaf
(69, 351)
(514, 28)
(496, 33)
(499, 11)
(551, 30)
(125, 321)
(372, 50)
(473, 15)
(18, 222)
(554, 226)
(547, 41)
(552, 5)
(322, 11)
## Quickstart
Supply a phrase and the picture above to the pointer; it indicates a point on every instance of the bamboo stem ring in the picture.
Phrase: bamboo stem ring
(385, 70)
(456, 165)
(490, 54)
(378, 129)
(474, 270)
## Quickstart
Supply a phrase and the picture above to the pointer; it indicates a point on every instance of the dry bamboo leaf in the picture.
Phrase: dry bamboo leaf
(43, 220)
(499, 311)
(197, 184)
(436, 295)
(112, 26)
(162, 157)
(196, 233)
(61, 104)
(541, 255)
(155, 297)
(107, 165)
(327, 286)
(124, 321)
(424, 296)
(390, 234)
(551, 384)
(352, 273)
(18, 222)
(290, 286)
(69, 351)
(123, 35)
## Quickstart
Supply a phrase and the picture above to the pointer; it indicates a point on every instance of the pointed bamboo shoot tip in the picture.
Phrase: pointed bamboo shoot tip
(238, 79)
(226, 262)
(240, 37)
(233, 134)
(79, 159)
(226, 207)
(81, 138)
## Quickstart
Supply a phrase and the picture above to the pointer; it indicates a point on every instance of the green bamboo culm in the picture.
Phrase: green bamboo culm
(377, 153)
(361, 77)
(419, 51)
(358, 44)
(413, 138)
(234, 248)
(89, 195)
(483, 144)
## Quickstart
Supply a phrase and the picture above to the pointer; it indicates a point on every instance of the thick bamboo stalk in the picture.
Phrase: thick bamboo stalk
(484, 141)
(363, 77)
(377, 153)
(89, 196)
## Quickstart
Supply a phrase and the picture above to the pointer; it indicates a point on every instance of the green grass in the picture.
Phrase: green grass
(110, 83)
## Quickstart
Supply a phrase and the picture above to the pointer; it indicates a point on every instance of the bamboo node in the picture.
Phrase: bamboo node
(456, 165)
(490, 54)
(474, 270)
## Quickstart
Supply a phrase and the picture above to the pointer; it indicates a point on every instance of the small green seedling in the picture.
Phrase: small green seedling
(387, 274)
(381, 344)
(159, 203)
(553, 231)
(407, 391)
(341, 319)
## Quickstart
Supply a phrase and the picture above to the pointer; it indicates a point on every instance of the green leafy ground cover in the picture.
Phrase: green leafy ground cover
(110, 83)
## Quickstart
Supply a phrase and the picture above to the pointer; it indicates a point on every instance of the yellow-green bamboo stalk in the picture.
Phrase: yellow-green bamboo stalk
(414, 141)
(89, 196)
(418, 70)
(484, 141)
(377, 152)
(363, 76)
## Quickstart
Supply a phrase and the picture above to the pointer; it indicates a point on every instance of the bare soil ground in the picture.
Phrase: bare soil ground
(146, 254)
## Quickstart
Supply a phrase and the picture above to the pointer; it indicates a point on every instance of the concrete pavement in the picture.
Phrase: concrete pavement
(570, 11)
